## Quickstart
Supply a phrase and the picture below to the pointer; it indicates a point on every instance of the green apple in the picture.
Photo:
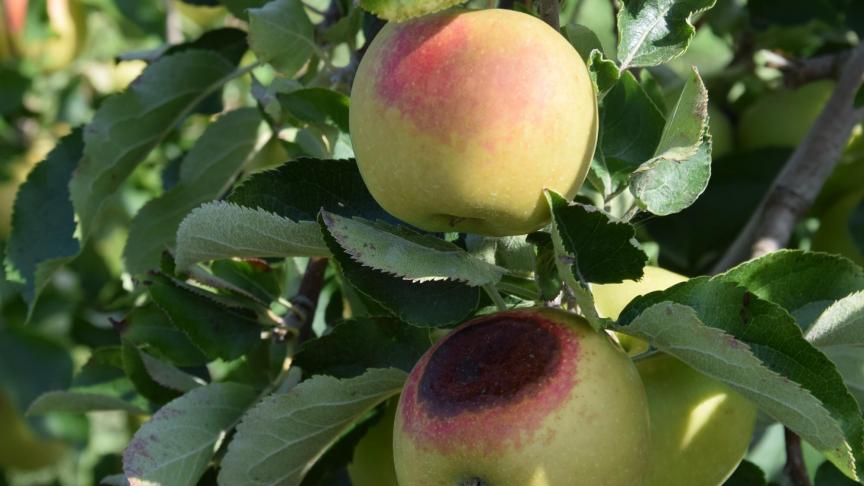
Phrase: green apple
(459, 120)
(526, 397)
(700, 428)
(372, 464)
(203, 16)
(834, 235)
(782, 118)
(611, 299)
(20, 447)
(722, 135)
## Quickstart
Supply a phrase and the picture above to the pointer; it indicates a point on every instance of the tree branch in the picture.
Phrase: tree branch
(797, 72)
(795, 468)
(796, 187)
(304, 304)
(550, 11)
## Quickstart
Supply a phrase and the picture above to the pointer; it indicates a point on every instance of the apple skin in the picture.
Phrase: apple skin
(527, 397)
(20, 447)
(833, 235)
(782, 118)
(611, 299)
(372, 464)
(701, 428)
(459, 120)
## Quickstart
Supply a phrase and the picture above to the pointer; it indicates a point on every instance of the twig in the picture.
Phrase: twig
(795, 468)
(797, 72)
(550, 11)
(304, 304)
(173, 27)
(796, 187)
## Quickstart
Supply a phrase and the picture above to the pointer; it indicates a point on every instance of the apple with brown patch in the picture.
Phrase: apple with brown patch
(459, 120)
(528, 397)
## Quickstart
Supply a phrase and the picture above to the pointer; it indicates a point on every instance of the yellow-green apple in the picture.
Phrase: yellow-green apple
(67, 20)
(20, 447)
(782, 118)
(527, 397)
(204, 16)
(700, 428)
(722, 135)
(372, 464)
(834, 234)
(459, 120)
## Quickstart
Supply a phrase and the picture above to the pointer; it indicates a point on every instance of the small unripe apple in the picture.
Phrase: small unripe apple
(700, 428)
(783, 118)
(20, 447)
(834, 234)
(519, 398)
(459, 120)
(372, 464)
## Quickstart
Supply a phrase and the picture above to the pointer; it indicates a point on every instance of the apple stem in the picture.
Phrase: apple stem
(495, 296)
(795, 468)
(549, 12)
(305, 302)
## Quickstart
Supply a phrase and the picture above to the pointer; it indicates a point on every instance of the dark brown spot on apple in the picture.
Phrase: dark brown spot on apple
(490, 362)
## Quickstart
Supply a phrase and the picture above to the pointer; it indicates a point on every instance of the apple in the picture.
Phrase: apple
(203, 16)
(20, 447)
(523, 397)
(372, 464)
(782, 118)
(834, 234)
(67, 21)
(459, 120)
(700, 427)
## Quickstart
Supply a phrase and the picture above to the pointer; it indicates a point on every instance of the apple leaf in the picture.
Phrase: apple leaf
(831, 421)
(177, 444)
(630, 129)
(604, 72)
(795, 279)
(129, 125)
(602, 250)
(43, 202)
(679, 171)
(435, 303)
(316, 106)
(297, 190)
(207, 171)
(407, 254)
(220, 331)
(282, 437)
(850, 363)
(842, 324)
(281, 33)
(150, 328)
(221, 230)
(583, 39)
(651, 32)
(400, 10)
(358, 344)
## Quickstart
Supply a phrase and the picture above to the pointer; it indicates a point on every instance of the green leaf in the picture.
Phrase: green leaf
(583, 39)
(281, 33)
(746, 474)
(299, 189)
(240, 8)
(794, 279)
(43, 202)
(829, 475)
(602, 250)
(651, 32)
(400, 10)
(177, 444)
(30, 365)
(207, 171)
(14, 86)
(316, 106)
(253, 277)
(220, 331)
(358, 344)
(773, 338)
(437, 303)
(630, 129)
(222, 230)
(282, 437)
(138, 372)
(128, 125)
(149, 327)
(604, 72)
(404, 253)
(681, 167)
(841, 324)
(850, 363)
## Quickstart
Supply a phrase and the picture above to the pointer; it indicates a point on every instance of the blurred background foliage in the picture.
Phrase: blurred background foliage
(59, 59)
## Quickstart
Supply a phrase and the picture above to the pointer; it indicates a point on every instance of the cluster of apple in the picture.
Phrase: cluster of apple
(459, 121)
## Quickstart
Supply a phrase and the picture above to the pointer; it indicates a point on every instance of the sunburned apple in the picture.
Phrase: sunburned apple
(529, 397)
(459, 120)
